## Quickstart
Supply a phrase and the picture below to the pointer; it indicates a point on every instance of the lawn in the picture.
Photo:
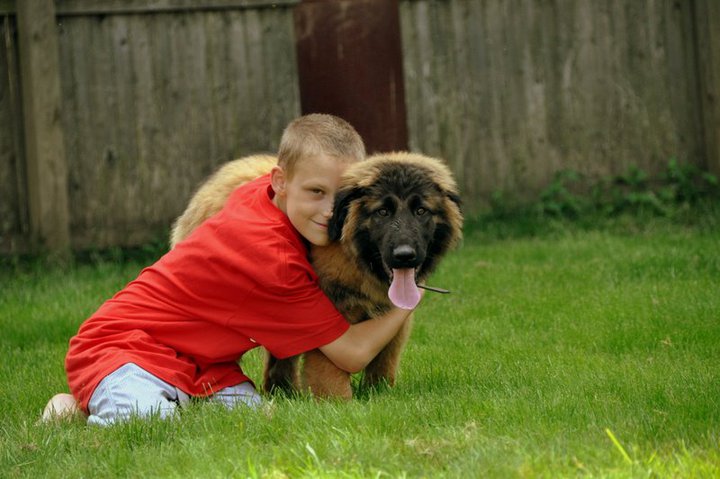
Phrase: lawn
(571, 352)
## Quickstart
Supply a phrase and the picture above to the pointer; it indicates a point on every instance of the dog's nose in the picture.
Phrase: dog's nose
(404, 253)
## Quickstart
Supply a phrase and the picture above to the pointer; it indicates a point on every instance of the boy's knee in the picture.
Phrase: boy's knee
(128, 392)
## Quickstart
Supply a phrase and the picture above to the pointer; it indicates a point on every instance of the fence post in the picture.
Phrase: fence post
(707, 38)
(44, 142)
(350, 65)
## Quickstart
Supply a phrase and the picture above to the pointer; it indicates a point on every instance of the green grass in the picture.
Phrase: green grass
(563, 351)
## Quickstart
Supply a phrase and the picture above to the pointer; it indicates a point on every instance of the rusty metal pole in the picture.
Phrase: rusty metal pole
(349, 57)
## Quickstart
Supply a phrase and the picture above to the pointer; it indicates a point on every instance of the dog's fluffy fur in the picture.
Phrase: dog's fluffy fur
(388, 201)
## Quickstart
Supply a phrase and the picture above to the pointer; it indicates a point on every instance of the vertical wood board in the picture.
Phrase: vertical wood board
(44, 140)
(14, 222)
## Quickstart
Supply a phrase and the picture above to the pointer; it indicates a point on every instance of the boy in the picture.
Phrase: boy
(240, 280)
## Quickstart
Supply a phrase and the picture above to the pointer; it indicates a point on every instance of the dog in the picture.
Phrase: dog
(395, 216)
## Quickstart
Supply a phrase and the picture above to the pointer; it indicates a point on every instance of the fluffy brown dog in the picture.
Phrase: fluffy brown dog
(395, 216)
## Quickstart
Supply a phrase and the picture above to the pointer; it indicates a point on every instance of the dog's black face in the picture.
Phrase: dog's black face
(399, 222)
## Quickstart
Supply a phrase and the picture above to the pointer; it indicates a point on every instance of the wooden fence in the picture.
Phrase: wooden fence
(105, 133)
(511, 91)
(154, 96)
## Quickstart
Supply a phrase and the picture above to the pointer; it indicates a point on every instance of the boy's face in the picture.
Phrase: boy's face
(307, 197)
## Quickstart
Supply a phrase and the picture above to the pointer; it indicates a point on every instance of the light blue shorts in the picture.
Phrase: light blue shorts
(130, 391)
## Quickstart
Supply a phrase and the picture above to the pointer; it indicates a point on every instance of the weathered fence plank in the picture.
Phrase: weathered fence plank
(14, 222)
(44, 140)
(113, 7)
(707, 28)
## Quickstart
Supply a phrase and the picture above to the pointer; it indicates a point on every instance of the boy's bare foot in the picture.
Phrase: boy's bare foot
(61, 406)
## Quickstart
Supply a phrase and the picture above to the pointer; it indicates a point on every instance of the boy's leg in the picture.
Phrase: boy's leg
(131, 391)
(241, 394)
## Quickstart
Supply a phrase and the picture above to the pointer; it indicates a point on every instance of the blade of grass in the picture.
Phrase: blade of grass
(618, 446)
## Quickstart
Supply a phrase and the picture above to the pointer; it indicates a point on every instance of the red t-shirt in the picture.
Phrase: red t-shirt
(240, 280)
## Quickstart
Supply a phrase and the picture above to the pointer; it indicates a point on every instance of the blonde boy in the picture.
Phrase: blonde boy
(242, 279)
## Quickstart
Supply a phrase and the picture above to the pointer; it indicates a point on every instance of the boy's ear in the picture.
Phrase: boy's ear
(278, 178)
(343, 199)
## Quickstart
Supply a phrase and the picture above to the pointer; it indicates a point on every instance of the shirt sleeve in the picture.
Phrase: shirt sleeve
(292, 316)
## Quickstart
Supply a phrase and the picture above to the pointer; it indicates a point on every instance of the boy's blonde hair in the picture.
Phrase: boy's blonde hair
(319, 134)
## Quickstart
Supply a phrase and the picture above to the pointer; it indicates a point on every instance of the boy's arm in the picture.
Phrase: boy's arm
(358, 346)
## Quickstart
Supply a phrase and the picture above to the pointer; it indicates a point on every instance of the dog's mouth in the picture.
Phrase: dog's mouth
(404, 292)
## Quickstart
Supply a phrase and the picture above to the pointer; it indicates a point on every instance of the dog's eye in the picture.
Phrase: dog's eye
(420, 211)
(382, 212)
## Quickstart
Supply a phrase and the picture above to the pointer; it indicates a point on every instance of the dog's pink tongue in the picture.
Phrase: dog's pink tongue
(403, 292)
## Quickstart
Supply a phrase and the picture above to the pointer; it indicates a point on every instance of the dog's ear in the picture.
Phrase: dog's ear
(450, 194)
(455, 198)
(343, 198)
